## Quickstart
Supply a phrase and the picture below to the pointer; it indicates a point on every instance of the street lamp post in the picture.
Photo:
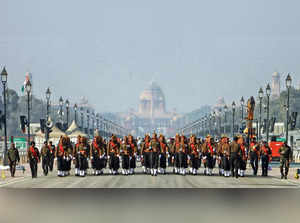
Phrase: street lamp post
(81, 116)
(4, 82)
(233, 114)
(88, 122)
(242, 110)
(28, 90)
(260, 96)
(67, 108)
(48, 95)
(225, 118)
(75, 113)
(288, 83)
(61, 101)
(97, 121)
(268, 92)
(93, 123)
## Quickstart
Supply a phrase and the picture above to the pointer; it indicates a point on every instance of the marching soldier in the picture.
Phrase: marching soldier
(13, 158)
(170, 153)
(97, 155)
(176, 149)
(244, 156)
(133, 150)
(209, 154)
(45, 152)
(60, 153)
(194, 154)
(235, 157)
(266, 156)
(114, 155)
(163, 154)
(154, 154)
(52, 155)
(76, 155)
(145, 151)
(285, 158)
(68, 156)
(254, 155)
(220, 154)
(33, 156)
(224, 152)
(125, 156)
(83, 152)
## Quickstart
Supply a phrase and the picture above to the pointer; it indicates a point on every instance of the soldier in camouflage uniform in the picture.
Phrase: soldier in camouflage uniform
(45, 152)
(266, 157)
(13, 158)
(52, 155)
(33, 156)
(154, 154)
(235, 157)
(285, 158)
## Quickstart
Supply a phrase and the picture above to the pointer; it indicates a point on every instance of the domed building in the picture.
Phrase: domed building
(152, 102)
(275, 86)
(152, 114)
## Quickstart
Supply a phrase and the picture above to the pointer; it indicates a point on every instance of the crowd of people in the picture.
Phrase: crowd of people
(183, 155)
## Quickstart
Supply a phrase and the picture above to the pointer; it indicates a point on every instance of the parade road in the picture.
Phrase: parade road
(140, 180)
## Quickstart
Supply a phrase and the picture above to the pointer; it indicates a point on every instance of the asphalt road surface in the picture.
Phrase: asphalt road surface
(140, 180)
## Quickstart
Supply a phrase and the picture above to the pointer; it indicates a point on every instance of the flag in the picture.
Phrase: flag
(28, 77)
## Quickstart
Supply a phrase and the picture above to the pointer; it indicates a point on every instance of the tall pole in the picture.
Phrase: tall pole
(268, 111)
(28, 120)
(67, 109)
(233, 111)
(48, 95)
(88, 122)
(288, 86)
(5, 127)
(260, 96)
(75, 113)
(81, 114)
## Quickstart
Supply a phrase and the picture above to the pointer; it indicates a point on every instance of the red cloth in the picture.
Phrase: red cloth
(211, 149)
(96, 147)
(32, 150)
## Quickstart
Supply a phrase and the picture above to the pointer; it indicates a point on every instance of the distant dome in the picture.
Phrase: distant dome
(152, 100)
(275, 74)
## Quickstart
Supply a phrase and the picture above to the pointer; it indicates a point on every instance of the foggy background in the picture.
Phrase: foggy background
(109, 51)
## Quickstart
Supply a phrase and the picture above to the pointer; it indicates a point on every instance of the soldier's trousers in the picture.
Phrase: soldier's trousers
(243, 164)
(45, 165)
(226, 163)
(163, 161)
(234, 164)
(82, 162)
(284, 166)
(132, 162)
(153, 156)
(12, 168)
(33, 167)
(60, 163)
(210, 162)
(195, 162)
(170, 163)
(264, 165)
(97, 163)
(254, 163)
(182, 159)
(51, 162)
(114, 162)
(147, 161)
(125, 162)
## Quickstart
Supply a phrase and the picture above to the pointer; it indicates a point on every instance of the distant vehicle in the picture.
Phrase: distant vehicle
(275, 144)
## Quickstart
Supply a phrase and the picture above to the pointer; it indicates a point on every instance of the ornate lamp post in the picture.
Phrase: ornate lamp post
(28, 91)
(4, 82)
(242, 101)
(268, 92)
(97, 120)
(233, 117)
(81, 115)
(48, 95)
(88, 122)
(225, 118)
(260, 96)
(93, 123)
(67, 108)
(288, 83)
(75, 113)
(61, 102)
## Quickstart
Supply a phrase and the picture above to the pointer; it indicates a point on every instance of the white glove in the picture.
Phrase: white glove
(92, 158)
(108, 157)
(189, 157)
(118, 156)
(159, 155)
(55, 158)
(204, 157)
(214, 156)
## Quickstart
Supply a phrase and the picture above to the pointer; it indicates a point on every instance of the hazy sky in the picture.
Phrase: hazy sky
(109, 51)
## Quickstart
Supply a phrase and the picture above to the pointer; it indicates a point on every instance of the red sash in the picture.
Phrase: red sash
(243, 150)
(61, 148)
(211, 149)
(132, 145)
(96, 147)
(32, 150)
(163, 147)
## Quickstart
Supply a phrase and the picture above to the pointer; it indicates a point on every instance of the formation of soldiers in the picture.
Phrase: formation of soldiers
(183, 155)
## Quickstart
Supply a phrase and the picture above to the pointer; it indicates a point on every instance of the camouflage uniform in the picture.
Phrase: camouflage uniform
(285, 159)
